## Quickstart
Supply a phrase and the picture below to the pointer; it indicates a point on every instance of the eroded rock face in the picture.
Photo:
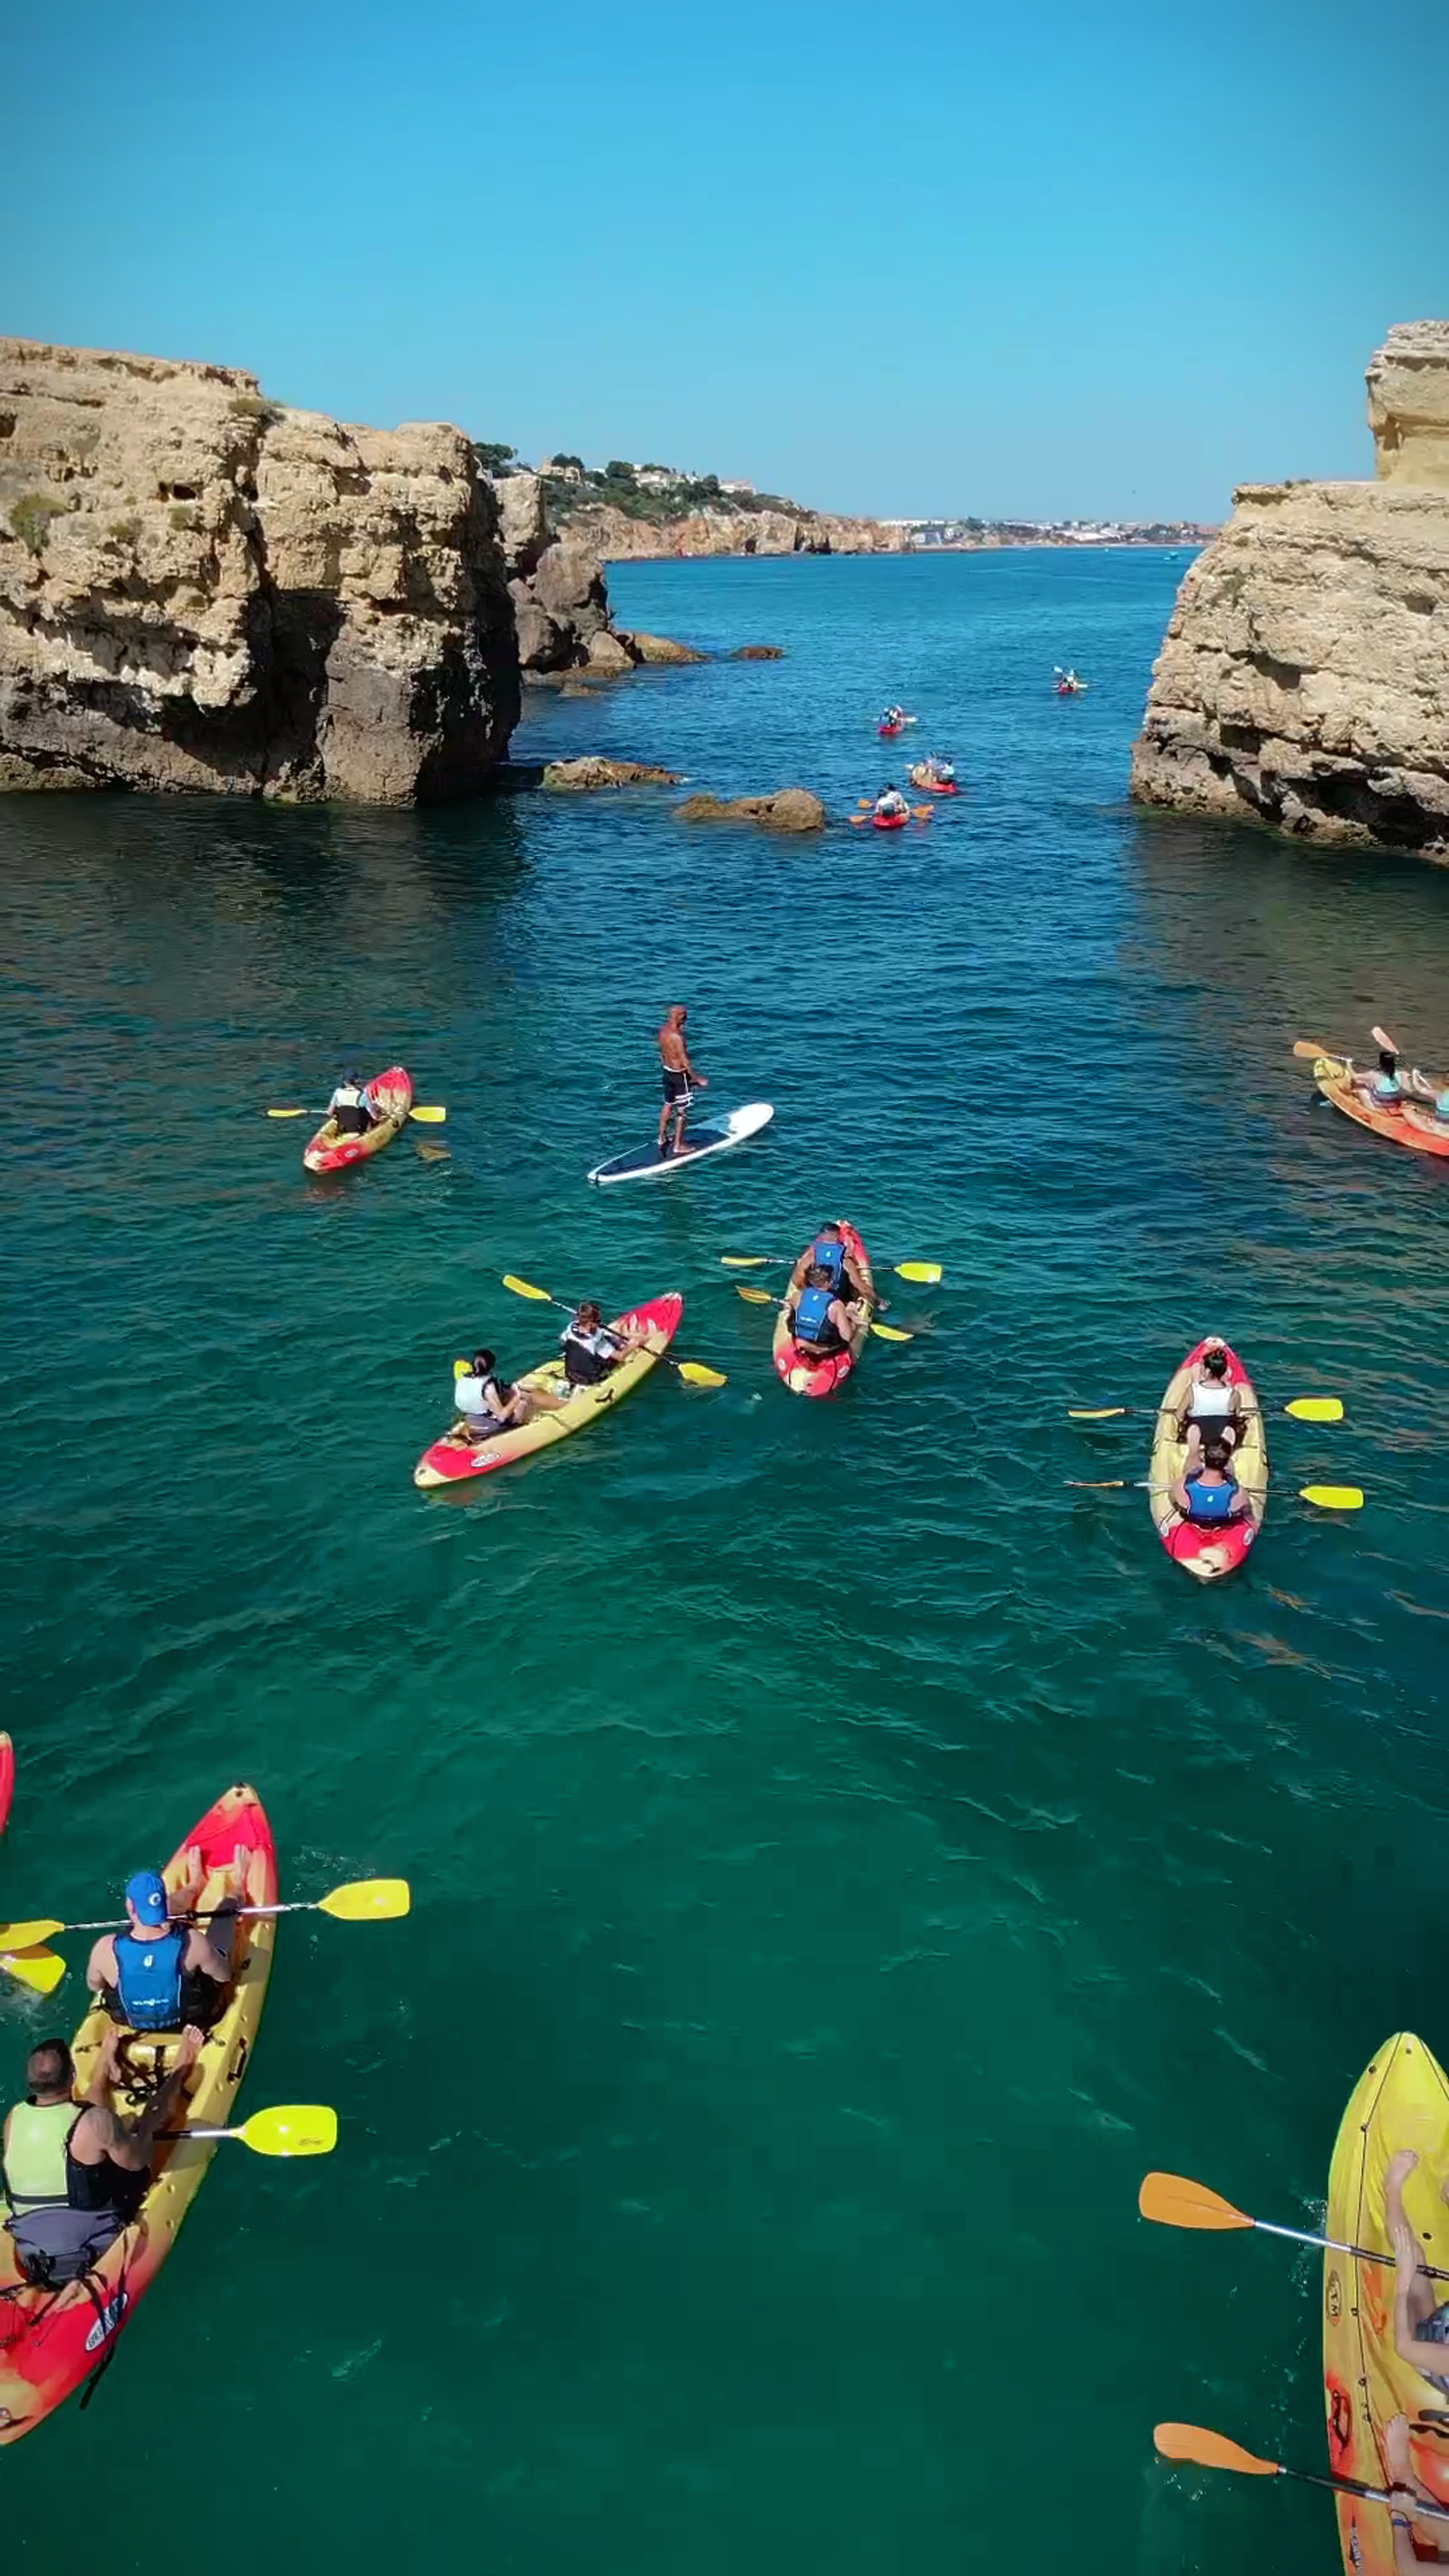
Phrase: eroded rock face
(1304, 678)
(733, 532)
(577, 777)
(200, 589)
(1408, 390)
(790, 809)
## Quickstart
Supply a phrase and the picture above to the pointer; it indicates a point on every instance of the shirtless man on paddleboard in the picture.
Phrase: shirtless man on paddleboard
(681, 1080)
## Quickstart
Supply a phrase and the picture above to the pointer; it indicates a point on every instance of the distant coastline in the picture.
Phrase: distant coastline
(1186, 537)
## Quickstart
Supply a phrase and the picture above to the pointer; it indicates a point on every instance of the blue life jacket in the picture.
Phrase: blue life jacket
(811, 1315)
(1211, 1502)
(1388, 1087)
(148, 1979)
(831, 1257)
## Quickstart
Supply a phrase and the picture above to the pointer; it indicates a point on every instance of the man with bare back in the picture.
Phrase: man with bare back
(681, 1080)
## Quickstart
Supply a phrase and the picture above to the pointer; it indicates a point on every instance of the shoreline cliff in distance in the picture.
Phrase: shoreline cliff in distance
(1304, 679)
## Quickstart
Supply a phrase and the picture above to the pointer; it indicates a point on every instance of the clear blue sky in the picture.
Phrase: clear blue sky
(1030, 259)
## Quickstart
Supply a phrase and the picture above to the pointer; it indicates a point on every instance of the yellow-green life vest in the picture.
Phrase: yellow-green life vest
(35, 2157)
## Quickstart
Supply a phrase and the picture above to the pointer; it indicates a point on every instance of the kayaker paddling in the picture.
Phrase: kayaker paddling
(350, 1109)
(158, 1973)
(75, 2173)
(1382, 1088)
(831, 1253)
(681, 1078)
(891, 805)
(591, 1348)
(1208, 1494)
(1213, 1409)
(820, 1320)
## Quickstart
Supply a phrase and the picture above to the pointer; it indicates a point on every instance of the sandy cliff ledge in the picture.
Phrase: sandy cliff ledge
(1304, 678)
(200, 589)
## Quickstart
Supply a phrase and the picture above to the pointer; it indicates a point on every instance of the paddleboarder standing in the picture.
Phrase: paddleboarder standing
(681, 1080)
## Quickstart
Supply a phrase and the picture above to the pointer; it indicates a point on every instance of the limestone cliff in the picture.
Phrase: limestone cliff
(613, 534)
(560, 600)
(1304, 679)
(201, 589)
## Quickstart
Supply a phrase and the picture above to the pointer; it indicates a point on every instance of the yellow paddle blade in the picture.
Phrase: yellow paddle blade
(1315, 1408)
(41, 1970)
(291, 1113)
(1210, 2450)
(428, 1117)
(298, 2129)
(368, 1900)
(756, 1296)
(749, 1260)
(694, 1373)
(461, 1368)
(524, 1288)
(891, 1333)
(1308, 1050)
(928, 1273)
(1173, 2201)
(24, 1936)
(1095, 1413)
(1332, 1498)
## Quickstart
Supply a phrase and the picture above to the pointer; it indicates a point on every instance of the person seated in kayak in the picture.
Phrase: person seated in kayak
(591, 1348)
(820, 1322)
(891, 802)
(893, 716)
(487, 1405)
(1207, 1493)
(828, 1252)
(1213, 1410)
(1408, 2525)
(943, 771)
(349, 1108)
(1382, 1088)
(75, 2174)
(159, 1974)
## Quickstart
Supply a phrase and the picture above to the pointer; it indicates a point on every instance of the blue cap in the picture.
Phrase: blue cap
(147, 1893)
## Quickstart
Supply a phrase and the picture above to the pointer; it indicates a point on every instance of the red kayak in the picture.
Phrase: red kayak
(890, 822)
(389, 1096)
(7, 1777)
(795, 1368)
(1205, 1550)
(887, 732)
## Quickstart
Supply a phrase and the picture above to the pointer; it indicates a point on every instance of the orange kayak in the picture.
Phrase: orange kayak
(51, 2340)
(1408, 1124)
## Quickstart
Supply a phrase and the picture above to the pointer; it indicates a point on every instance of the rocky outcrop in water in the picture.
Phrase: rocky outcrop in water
(1304, 679)
(790, 809)
(201, 589)
(581, 777)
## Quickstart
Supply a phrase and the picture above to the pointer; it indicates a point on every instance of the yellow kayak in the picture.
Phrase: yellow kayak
(1401, 2100)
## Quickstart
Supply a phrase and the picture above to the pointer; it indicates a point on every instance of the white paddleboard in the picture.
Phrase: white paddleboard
(720, 1136)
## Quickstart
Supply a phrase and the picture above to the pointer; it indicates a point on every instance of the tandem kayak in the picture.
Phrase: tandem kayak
(795, 1368)
(455, 1460)
(1205, 1552)
(7, 1777)
(392, 1094)
(1401, 2100)
(1410, 1124)
(50, 2340)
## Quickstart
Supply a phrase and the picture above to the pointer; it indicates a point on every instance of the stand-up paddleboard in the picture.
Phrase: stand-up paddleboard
(648, 1164)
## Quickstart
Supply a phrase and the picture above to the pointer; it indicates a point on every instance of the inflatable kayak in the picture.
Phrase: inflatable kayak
(392, 1094)
(455, 1460)
(1207, 1553)
(7, 1777)
(1410, 1124)
(804, 1375)
(1401, 2100)
(646, 1163)
(50, 2340)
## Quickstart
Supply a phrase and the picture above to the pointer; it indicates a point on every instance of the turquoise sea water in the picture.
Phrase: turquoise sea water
(844, 1858)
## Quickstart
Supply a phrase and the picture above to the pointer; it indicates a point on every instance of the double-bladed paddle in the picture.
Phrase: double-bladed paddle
(293, 2129)
(426, 1117)
(884, 1332)
(1172, 2200)
(362, 1900)
(927, 1274)
(1213, 2451)
(1329, 1498)
(1303, 1408)
(693, 1372)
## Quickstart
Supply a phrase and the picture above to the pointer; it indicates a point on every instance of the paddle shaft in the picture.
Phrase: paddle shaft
(206, 1914)
(566, 1308)
(1335, 2245)
(1413, 2507)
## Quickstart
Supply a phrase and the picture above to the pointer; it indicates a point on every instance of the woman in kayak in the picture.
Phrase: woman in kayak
(486, 1405)
(891, 802)
(349, 1108)
(1382, 1090)
(820, 1323)
(1212, 1410)
(591, 1347)
(1208, 1495)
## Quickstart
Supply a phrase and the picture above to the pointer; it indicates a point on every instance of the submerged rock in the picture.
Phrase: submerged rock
(201, 589)
(790, 809)
(1304, 678)
(575, 777)
(758, 653)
